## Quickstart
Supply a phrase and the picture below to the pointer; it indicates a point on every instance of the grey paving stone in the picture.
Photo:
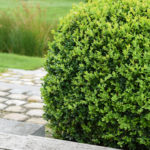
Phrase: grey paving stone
(2, 106)
(32, 93)
(15, 109)
(37, 121)
(16, 82)
(15, 102)
(17, 76)
(28, 83)
(34, 105)
(15, 116)
(39, 85)
(11, 78)
(5, 74)
(3, 99)
(4, 94)
(3, 80)
(37, 78)
(35, 112)
(4, 89)
(41, 74)
(26, 80)
(34, 99)
(38, 81)
(17, 96)
(30, 77)
(18, 91)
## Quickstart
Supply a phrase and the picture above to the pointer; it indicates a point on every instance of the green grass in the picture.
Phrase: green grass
(19, 62)
(55, 9)
(26, 25)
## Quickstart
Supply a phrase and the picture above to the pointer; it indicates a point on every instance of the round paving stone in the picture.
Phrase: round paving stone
(15, 116)
(15, 102)
(3, 99)
(28, 83)
(4, 94)
(2, 106)
(11, 78)
(16, 82)
(26, 80)
(37, 121)
(34, 99)
(35, 112)
(15, 109)
(4, 89)
(18, 91)
(5, 74)
(18, 96)
(34, 105)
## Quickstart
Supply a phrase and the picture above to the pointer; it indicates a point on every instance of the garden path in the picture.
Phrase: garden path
(20, 95)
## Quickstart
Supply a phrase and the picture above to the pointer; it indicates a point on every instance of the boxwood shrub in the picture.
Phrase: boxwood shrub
(97, 89)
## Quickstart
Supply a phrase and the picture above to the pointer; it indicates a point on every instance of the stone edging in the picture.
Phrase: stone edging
(16, 142)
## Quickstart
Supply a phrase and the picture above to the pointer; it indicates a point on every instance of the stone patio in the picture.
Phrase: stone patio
(20, 100)
(20, 95)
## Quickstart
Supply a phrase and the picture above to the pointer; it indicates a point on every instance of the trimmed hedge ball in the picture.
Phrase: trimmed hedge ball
(97, 89)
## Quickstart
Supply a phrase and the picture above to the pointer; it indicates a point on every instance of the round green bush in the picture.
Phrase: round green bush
(97, 89)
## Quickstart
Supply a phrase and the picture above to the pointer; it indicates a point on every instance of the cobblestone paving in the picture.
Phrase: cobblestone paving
(20, 95)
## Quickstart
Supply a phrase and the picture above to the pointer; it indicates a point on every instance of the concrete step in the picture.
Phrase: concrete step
(16, 142)
(21, 128)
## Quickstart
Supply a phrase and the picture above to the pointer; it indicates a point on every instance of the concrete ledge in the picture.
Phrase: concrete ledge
(16, 142)
(21, 128)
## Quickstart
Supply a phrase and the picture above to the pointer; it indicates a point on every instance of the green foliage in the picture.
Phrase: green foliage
(98, 82)
(88, 0)
(54, 9)
(25, 32)
(6, 24)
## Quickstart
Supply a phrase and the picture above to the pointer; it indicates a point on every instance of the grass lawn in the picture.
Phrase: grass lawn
(19, 62)
(54, 8)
